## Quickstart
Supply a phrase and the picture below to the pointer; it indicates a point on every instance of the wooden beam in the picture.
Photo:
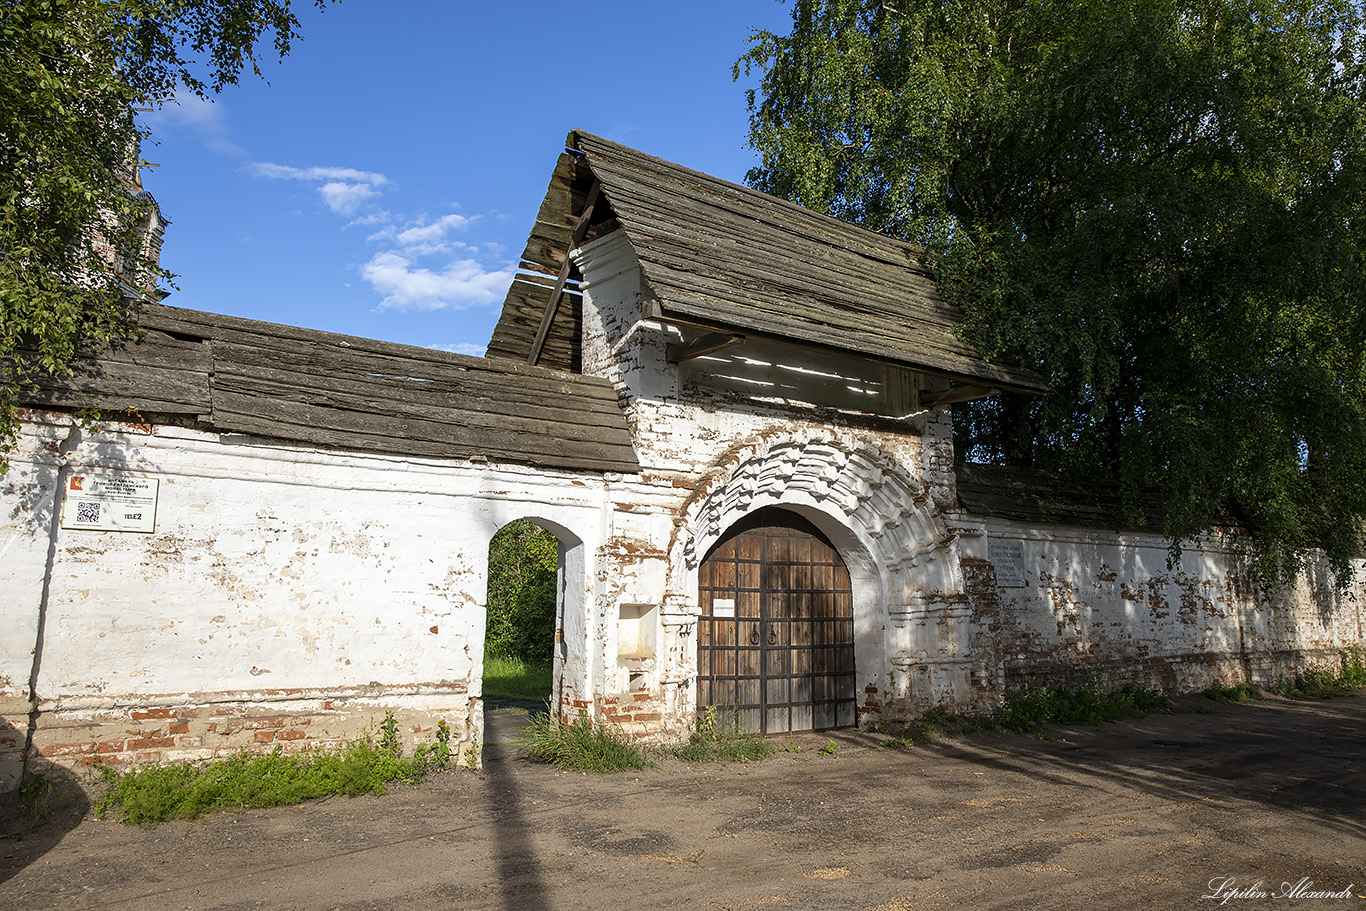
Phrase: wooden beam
(554, 303)
(956, 394)
(703, 344)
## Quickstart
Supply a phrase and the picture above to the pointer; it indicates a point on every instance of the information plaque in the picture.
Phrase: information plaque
(1008, 558)
(110, 502)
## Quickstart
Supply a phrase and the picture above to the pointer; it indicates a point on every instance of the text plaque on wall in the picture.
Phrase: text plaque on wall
(110, 502)
(1008, 558)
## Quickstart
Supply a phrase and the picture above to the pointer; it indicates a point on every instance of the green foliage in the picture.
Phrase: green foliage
(1028, 710)
(514, 678)
(521, 593)
(37, 797)
(580, 745)
(72, 73)
(1353, 670)
(1326, 683)
(719, 737)
(829, 748)
(1156, 204)
(1238, 692)
(154, 794)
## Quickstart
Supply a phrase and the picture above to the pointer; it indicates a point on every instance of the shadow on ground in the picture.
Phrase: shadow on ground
(35, 819)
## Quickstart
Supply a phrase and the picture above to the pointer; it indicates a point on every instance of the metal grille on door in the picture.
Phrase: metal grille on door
(775, 640)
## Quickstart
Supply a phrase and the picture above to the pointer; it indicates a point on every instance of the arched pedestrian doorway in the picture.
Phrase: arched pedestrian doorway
(775, 639)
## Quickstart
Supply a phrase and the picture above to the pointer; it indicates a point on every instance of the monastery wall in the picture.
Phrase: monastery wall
(1059, 605)
(287, 595)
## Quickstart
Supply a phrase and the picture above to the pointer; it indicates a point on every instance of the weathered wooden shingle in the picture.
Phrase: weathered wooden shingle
(723, 257)
(1034, 495)
(243, 376)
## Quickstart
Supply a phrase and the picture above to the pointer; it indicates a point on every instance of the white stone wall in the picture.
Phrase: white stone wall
(287, 594)
(1086, 603)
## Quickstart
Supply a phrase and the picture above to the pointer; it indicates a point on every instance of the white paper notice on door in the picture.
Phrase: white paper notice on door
(723, 607)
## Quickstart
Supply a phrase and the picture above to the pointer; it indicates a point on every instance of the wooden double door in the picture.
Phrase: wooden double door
(775, 640)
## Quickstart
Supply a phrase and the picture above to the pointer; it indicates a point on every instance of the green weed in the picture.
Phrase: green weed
(508, 677)
(37, 796)
(1238, 692)
(719, 737)
(829, 748)
(1318, 682)
(580, 745)
(154, 794)
(1353, 671)
(1027, 711)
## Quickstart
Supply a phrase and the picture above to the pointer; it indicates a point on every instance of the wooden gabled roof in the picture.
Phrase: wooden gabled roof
(226, 374)
(722, 257)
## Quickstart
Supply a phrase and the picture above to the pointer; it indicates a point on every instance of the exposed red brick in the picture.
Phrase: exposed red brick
(255, 724)
(290, 735)
(264, 736)
(66, 749)
(179, 727)
(109, 746)
(153, 713)
(648, 716)
(147, 743)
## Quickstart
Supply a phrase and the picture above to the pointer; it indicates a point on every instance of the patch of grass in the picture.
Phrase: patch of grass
(507, 677)
(720, 738)
(1324, 683)
(1027, 711)
(36, 797)
(154, 794)
(580, 745)
(1353, 671)
(1238, 692)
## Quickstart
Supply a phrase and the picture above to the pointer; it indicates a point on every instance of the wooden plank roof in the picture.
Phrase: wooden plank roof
(723, 257)
(1038, 496)
(235, 375)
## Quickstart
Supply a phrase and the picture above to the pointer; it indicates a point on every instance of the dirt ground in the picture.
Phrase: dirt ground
(1155, 813)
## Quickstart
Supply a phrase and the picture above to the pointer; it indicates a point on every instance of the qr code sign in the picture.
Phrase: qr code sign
(87, 513)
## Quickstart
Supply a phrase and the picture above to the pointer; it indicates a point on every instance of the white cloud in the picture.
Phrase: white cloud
(422, 235)
(344, 198)
(202, 118)
(313, 175)
(342, 189)
(462, 348)
(458, 285)
(382, 217)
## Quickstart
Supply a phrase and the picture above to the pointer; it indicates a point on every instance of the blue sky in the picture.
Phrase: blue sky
(383, 183)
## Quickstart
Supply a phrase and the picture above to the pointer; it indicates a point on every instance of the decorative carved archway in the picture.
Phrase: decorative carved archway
(910, 619)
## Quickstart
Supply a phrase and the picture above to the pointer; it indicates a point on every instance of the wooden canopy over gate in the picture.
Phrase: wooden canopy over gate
(724, 259)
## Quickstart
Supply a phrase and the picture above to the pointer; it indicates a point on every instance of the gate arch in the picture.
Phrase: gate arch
(903, 562)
